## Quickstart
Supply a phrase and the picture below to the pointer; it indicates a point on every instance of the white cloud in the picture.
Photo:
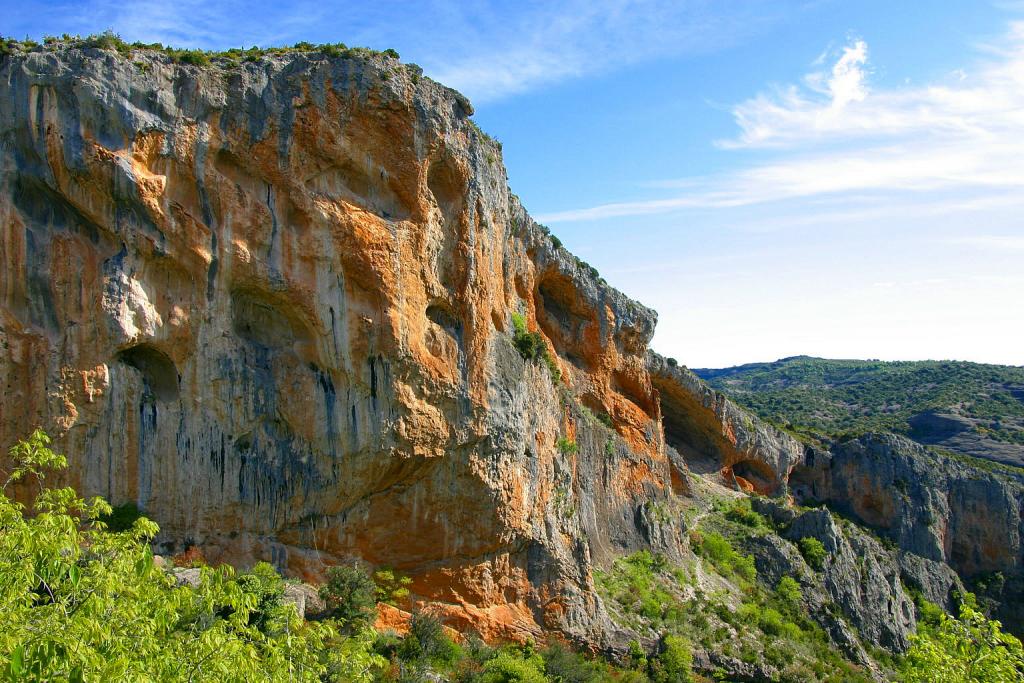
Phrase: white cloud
(835, 136)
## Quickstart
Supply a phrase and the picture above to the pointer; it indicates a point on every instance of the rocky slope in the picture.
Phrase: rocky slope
(274, 305)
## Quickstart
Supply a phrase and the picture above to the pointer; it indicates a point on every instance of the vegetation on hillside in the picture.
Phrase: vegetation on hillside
(532, 347)
(825, 399)
(966, 649)
(720, 603)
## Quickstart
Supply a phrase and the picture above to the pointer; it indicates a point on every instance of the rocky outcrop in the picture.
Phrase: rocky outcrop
(858, 584)
(271, 303)
(862, 578)
(940, 511)
(713, 433)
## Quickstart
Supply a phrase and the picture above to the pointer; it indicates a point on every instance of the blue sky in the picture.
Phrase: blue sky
(775, 177)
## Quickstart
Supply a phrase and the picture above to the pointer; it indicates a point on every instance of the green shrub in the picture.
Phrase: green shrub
(741, 513)
(108, 40)
(532, 347)
(675, 662)
(788, 591)
(567, 446)
(193, 57)
(506, 667)
(813, 551)
(427, 642)
(720, 552)
(636, 656)
(562, 665)
(350, 595)
(555, 242)
(269, 613)
(965, 648)
(392, 587)
(529, 344)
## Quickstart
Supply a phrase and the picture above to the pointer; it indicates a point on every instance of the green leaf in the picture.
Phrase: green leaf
(17, 660)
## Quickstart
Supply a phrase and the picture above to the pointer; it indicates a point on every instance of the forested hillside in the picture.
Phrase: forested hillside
(969, 408)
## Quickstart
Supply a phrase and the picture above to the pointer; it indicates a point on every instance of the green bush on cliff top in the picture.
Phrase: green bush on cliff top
(108, 40)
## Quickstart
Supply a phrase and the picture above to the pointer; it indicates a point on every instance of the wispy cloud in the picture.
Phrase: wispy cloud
(834, 134)
(537, 44)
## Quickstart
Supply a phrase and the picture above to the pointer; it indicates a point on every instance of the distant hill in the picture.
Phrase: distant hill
(969, 408)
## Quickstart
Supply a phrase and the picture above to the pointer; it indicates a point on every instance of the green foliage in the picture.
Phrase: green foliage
(193, 57)
(562, 665)
(108, 40)
(427, 642)
(81, 603)
(675, 662)
(813, 551)
(741, 513)
(769, 620)
(506, 667)
(636, 656)
(825, 399)
(269, 613)
(788, 592)
(532, 347)
(969, 648)
(632, 583)
(555, 242)
(567, 446)
(121, 517)
(529, 344)
(350, 595)
(392, 587)
(720, 552)
(646, 593)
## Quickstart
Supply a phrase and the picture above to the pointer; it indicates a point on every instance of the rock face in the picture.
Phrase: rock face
(272, 304)
(858, 584)
(941, 512)
(713, 433)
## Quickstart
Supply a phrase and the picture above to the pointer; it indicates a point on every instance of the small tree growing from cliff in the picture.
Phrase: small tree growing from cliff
(350, 595)
(813, 551)
(532, 347)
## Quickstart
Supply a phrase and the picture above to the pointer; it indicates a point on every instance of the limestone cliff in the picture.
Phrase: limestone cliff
(272, 303)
